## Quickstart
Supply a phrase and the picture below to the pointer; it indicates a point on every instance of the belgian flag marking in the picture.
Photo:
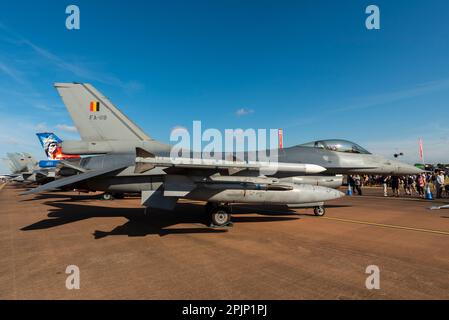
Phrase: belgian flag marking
(94, 106)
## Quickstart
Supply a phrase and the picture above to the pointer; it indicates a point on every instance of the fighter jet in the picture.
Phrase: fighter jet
(12, 169)
(99, 130)
(22, 166)
(130, 161)
(27, 170)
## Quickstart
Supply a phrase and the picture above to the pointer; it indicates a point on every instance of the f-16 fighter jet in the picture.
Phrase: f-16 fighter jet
(130, 161)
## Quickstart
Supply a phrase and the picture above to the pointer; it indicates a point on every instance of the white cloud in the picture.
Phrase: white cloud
(42, 127)
(243, 112)
(66, 128)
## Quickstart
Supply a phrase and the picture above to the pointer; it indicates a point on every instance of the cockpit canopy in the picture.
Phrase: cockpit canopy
(337, 145)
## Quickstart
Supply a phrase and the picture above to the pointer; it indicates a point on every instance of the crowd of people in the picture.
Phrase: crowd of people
(411, 185)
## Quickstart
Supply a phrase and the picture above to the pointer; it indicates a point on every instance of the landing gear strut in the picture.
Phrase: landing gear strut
(219, 216)
(319, 211)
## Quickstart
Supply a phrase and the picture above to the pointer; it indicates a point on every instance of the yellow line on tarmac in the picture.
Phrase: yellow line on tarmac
(2, 186)
(392, 226)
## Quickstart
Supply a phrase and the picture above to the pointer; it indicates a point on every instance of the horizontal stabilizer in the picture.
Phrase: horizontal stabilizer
(72, 179)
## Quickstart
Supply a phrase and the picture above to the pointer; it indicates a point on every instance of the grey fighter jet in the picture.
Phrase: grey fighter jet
(128, 160)
(25, 169)
(22, 166)
(109, 131)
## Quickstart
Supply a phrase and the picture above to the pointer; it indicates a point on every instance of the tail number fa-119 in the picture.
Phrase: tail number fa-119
(99, 117)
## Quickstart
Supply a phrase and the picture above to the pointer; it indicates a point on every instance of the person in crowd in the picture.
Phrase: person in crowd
(420, 184)
(439, 184)
(395, 181)
(358, 184)
(351, 182)
(413, 184)
(366, 181)
(408, 181)
(385, 181)
(446, 185)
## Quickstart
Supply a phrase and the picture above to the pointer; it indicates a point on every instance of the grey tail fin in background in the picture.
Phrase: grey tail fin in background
(95, 117)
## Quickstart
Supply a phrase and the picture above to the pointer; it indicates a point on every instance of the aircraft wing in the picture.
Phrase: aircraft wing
(72, 179)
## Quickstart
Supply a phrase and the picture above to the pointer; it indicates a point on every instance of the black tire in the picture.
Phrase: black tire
(107, 196)
(319, 211)
(220, 217)
(119, 196)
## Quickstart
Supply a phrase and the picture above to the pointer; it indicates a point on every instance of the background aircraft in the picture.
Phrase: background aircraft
(26, 169)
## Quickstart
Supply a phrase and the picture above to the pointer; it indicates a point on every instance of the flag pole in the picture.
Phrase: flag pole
(421, 151)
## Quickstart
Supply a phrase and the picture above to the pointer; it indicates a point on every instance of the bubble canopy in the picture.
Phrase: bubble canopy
(337, 145)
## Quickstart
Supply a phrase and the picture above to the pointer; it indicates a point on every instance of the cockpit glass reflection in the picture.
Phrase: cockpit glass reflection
(338, 146)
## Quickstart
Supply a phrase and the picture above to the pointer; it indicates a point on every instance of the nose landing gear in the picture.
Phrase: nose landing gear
(319, 211)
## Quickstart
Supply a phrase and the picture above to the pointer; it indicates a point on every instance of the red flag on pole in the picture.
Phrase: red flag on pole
(421, 154)
(281, 138)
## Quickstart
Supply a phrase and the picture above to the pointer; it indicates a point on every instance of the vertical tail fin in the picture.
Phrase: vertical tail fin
(18, 161)
(29, 160)
(52, 146)
(95, 117)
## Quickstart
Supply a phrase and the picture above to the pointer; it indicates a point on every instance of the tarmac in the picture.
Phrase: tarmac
(270, 252)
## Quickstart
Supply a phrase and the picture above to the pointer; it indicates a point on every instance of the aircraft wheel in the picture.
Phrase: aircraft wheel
(107, 196)
(220, 217)
(319, 211)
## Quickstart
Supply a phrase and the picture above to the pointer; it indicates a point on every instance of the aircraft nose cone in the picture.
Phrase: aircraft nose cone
(408, 169)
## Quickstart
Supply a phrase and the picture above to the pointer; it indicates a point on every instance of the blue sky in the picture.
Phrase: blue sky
(310, 67)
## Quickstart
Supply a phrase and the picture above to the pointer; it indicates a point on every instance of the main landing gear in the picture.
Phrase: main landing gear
(319, 211)
(107, 196)
(112, 196)
(219, 216)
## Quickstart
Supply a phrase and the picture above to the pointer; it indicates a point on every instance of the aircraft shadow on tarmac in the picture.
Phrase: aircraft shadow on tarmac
(140, 224)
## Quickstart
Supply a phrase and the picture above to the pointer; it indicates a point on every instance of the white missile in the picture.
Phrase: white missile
(146, 163)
